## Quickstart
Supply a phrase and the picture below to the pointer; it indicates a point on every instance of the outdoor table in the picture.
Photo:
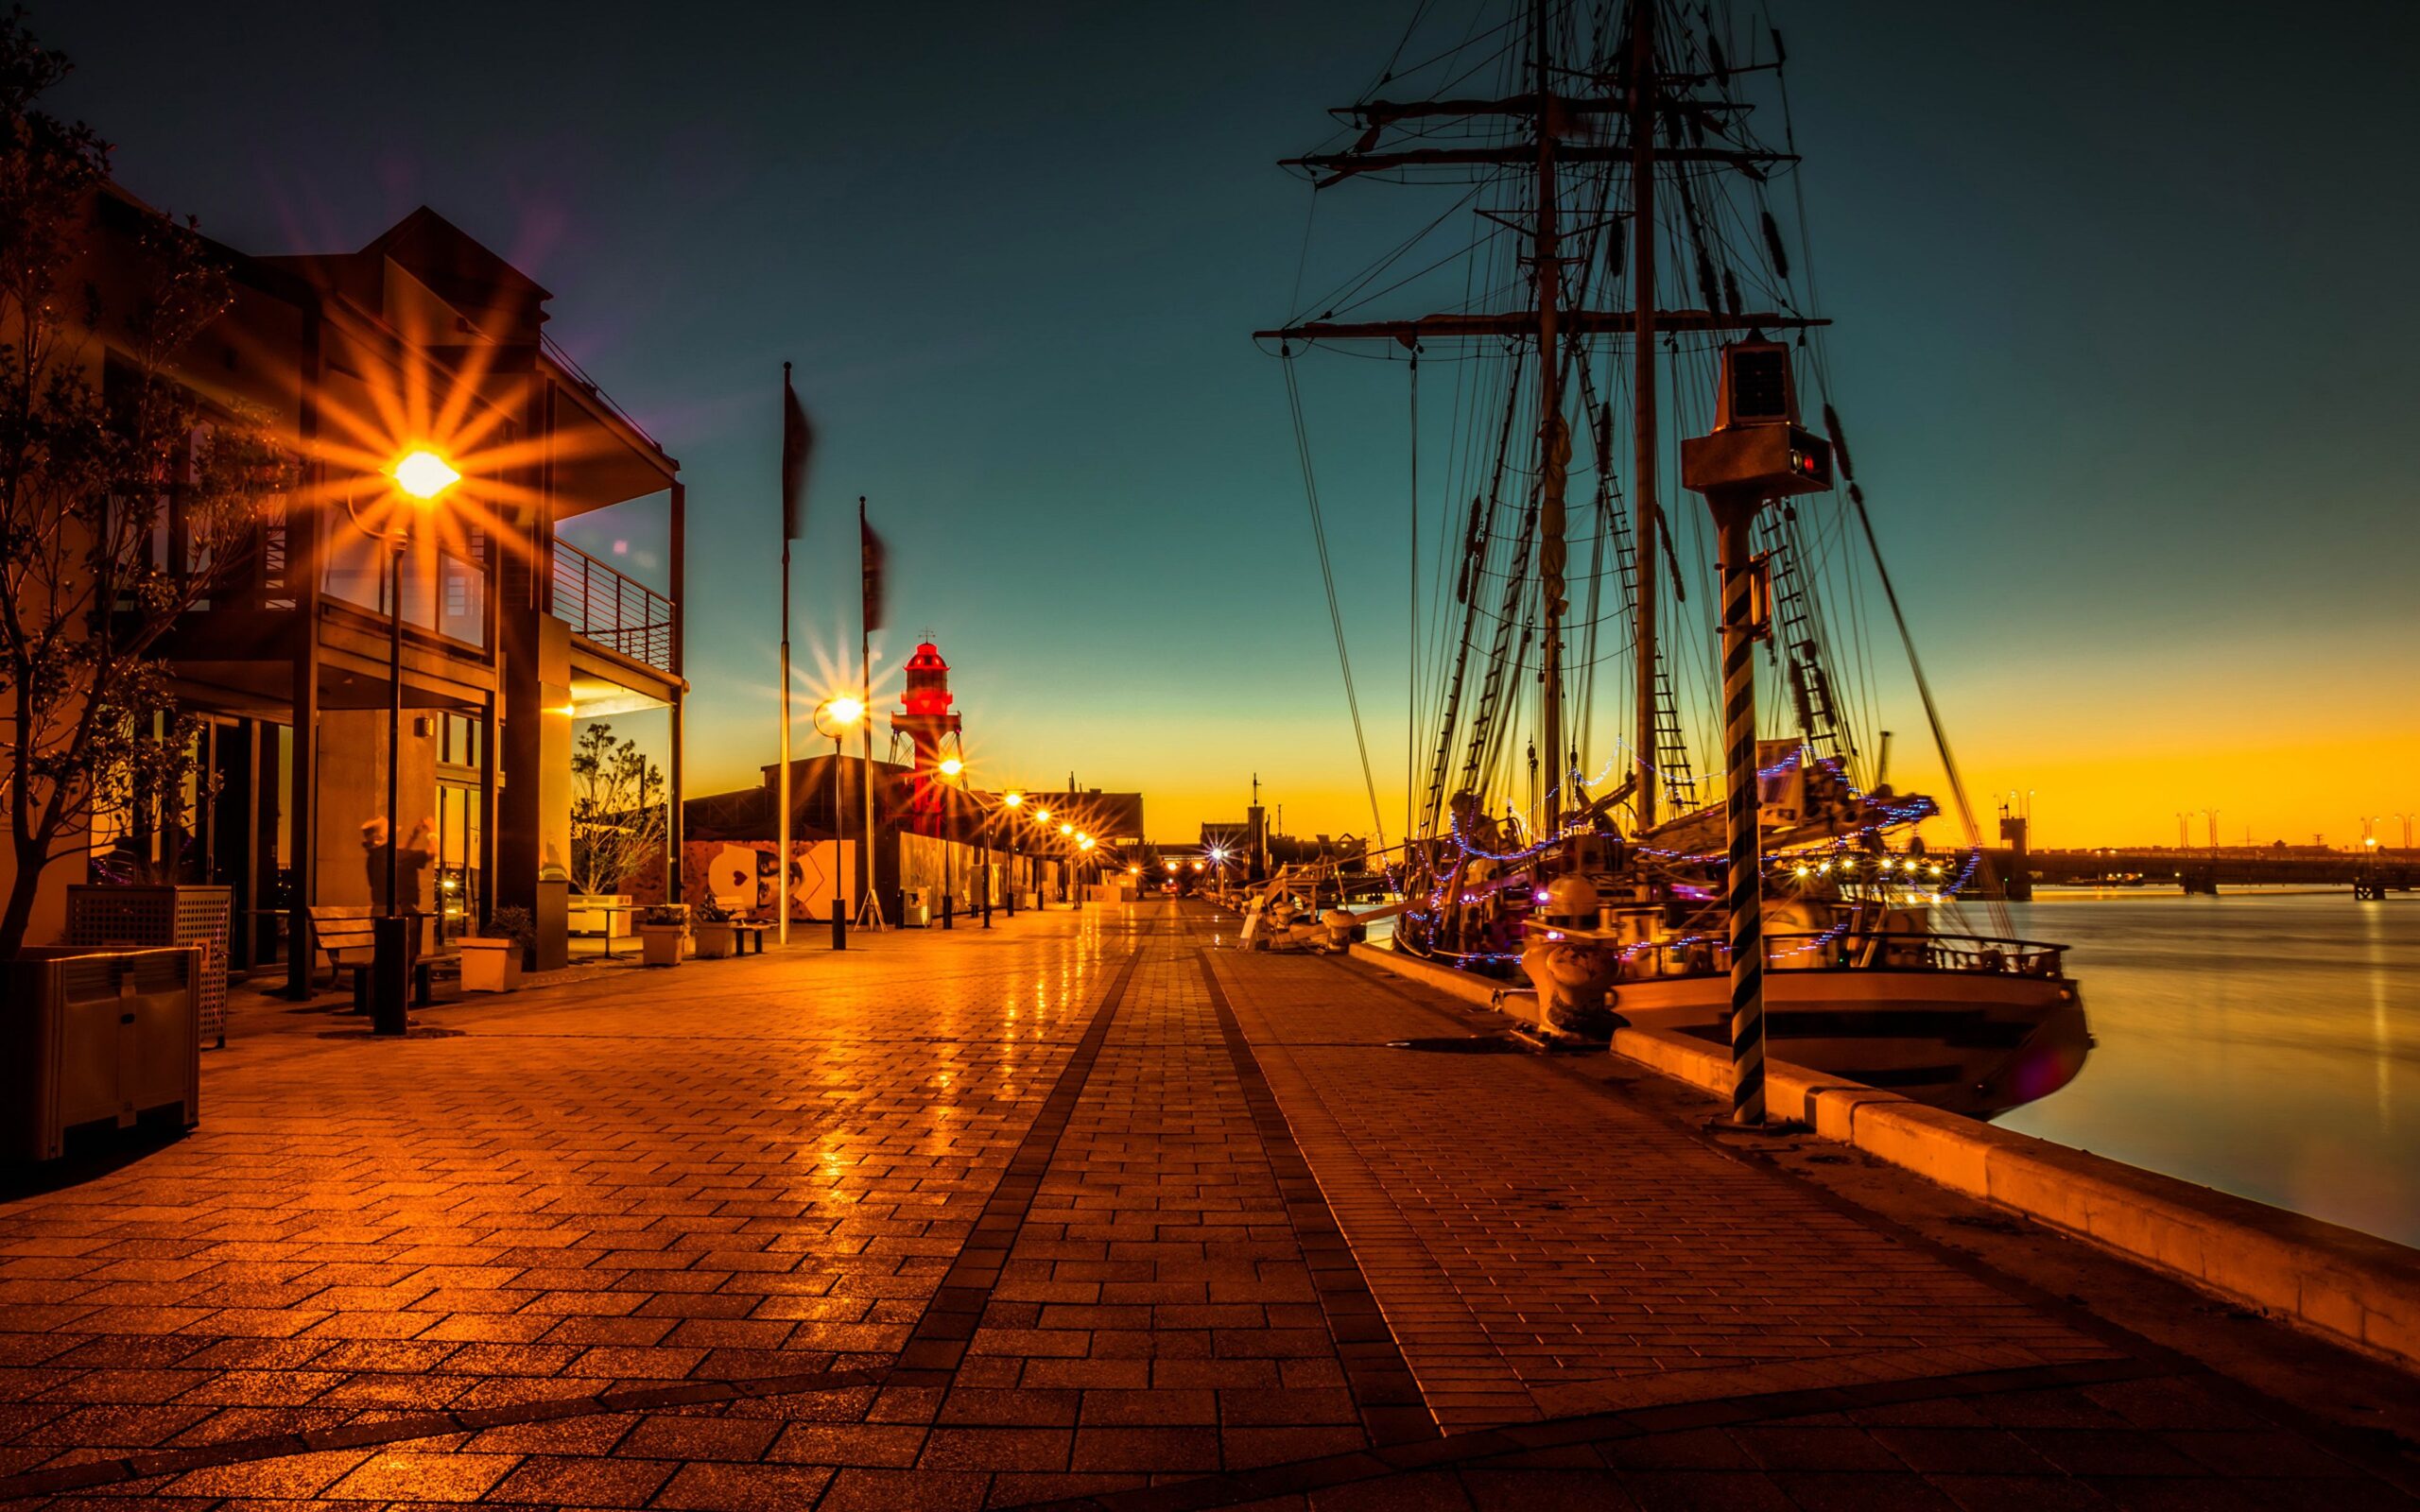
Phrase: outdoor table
(609, 910)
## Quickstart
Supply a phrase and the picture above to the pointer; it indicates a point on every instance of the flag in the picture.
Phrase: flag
(798, 443)
(869, 557)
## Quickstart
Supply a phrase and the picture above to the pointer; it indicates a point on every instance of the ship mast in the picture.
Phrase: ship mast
(1548, 114)
(1644, 745)
(1554, 435)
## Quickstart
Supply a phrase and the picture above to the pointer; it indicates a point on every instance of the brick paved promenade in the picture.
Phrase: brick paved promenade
(1084, 1210)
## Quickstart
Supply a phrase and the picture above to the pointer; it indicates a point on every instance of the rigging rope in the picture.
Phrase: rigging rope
(1328, 577)
(1932, 711)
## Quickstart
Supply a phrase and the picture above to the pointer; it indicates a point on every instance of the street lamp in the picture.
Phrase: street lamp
(1011, 800)
(835, 716)
(949, 767)
(419, 477)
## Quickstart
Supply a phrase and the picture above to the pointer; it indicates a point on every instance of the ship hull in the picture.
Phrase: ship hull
(1975, 1043)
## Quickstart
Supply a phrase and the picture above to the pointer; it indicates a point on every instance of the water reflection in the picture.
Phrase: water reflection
(2267, 1046)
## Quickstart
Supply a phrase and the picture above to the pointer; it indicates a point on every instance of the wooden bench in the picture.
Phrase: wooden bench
(344, 935)
(745, 931)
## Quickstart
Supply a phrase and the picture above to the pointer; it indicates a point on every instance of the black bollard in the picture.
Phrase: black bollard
(840, 925)
(947, 900)
(389, 975)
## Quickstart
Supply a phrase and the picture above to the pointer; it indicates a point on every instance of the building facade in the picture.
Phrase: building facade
(510, 635)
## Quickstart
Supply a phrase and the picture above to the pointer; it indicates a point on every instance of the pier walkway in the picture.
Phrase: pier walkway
(1085, 1210)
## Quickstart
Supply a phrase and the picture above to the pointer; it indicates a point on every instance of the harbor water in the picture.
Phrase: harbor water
(2265, 1045)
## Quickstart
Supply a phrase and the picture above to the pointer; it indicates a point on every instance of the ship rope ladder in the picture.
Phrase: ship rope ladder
(1671, 757)
(1797, 643)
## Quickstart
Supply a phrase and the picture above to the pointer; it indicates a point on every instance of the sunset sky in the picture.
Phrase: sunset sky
(2126, 351)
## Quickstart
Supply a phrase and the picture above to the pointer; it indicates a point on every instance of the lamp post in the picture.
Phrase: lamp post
(950, 768)
(834, 717)
(1012, 800)
(1756, 455)
(419, 478)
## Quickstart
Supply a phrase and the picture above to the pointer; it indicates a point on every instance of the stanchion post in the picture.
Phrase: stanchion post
(1745, 890)
(1755, 454)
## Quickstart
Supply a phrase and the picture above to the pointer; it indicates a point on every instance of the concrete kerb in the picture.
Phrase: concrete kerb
(2342, 1285)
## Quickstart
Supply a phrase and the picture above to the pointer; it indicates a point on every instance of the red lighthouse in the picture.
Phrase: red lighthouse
(928, 723)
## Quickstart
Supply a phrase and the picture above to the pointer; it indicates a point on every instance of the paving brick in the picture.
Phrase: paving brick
(1175, 1217)
(714, 1488)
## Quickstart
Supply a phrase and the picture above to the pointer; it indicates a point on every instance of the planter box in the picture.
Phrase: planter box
(110, 917)
(715, 941)
(659, 944)
(490, 964)
(90, 1037)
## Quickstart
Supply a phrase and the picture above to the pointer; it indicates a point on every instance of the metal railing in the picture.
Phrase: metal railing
(1869, 949)
(618, 612)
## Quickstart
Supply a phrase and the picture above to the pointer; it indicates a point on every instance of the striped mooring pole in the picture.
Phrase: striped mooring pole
(1745, 893)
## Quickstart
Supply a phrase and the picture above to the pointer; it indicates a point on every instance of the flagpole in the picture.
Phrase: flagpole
(782, 868)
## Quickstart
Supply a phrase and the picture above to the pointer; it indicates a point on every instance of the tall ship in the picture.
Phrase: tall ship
(1595, 260)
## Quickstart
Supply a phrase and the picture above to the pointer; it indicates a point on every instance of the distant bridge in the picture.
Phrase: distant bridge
(2204, 870)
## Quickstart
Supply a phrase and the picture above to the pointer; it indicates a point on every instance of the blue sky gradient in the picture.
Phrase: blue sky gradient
(2125, 344)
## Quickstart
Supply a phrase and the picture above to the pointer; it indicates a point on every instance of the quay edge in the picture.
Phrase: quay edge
(2344, 1285)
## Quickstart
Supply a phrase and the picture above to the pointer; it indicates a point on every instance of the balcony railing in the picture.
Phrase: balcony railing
(619, 613)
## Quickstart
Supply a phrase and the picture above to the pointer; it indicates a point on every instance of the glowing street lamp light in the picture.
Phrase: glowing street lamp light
(423, 475)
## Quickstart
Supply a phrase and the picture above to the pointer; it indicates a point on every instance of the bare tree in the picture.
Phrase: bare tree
(617, 817)
(90, 578)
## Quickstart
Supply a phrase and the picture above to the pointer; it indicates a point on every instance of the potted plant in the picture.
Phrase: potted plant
(713, 925)
(490, 963)
(661, 929)
(494, 962)
(520, 926)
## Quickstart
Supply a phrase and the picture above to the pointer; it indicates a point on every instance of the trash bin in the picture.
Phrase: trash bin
(916, 908)
(88, 1035)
